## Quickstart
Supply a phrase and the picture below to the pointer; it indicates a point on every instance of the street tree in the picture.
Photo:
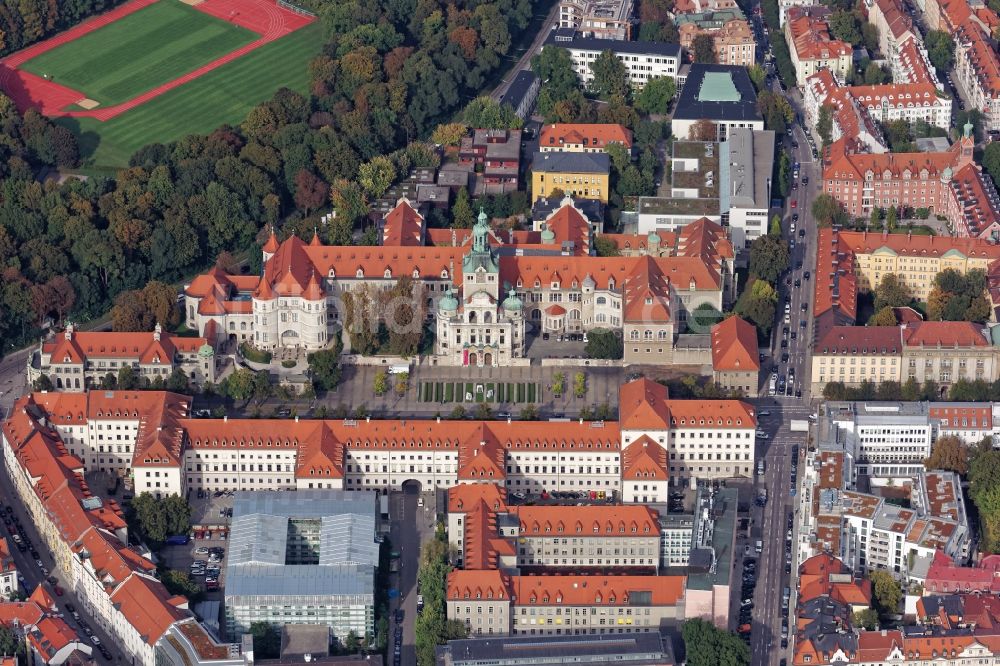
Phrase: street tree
(824, 124)
(769, 257)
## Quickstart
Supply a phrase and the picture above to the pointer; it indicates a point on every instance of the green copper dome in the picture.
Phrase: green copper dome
(449, 303)
(548, 237)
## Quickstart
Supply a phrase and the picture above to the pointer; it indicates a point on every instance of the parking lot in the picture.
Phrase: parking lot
(580, 497)
(210, 556)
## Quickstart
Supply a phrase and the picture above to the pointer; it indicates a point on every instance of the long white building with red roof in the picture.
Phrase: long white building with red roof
(77, 360)
(87, 537)
(658, 441)
(484, 288)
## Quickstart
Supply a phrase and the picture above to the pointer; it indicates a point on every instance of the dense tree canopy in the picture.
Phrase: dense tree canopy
(958, 297)
(389, 73)
(940, 49)
(891, 292)
(768, 257)
(949, 453)
(703, 48)
(705, 645)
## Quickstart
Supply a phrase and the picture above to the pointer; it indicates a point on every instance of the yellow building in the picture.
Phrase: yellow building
(854, 354)
(579, 175)
(915, 259)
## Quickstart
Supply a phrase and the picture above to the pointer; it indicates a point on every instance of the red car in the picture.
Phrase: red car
(795, 203)
(59, 591)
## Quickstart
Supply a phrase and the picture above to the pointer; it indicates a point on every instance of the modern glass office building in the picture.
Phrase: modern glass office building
(304, 557)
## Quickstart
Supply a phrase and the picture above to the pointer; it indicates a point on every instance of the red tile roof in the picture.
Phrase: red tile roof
(612, 591)
(944, 334)
(645, 459)
(404, 226)
(593, 520)
(148, 607)
(590, 135)
(78, 346)
(642, 405)
(734, 346)
(811, 39)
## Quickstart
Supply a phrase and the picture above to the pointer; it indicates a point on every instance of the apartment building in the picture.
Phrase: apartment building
(643, 60)
(888, 443)
(811, 46)
(8, 570)
(77, 360)
(894, 24)
(732, 37)
(39, 624)
(491, 602)
(977, 67)
(974, 205)
(172, 452)
(88, 538)
(579, 175)
(497, 152)
(582, 137)
(937, 351)
(862, 181)
(850, 119)
(601, 19)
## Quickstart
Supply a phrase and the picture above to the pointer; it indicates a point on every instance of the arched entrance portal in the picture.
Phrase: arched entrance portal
(488, 359)
(473, 358)
(411, 487)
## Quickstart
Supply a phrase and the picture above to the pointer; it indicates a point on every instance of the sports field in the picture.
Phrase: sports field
(223, 95)
(139, 52)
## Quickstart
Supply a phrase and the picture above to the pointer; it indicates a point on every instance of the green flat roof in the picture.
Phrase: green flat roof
(718, 87)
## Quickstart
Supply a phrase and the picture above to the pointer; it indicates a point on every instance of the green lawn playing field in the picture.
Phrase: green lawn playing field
(222, 96)
(139, 52)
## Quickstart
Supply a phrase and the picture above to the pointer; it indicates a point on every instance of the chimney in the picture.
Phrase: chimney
(69, 330)
(439, 419)
(225, 419)
(296, 418)
(368, 419)
(157, 331)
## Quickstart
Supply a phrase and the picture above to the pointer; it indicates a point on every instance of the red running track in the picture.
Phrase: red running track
(30, 91)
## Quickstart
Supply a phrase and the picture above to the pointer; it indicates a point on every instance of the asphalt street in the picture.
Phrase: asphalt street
(409, 525)
(770, 524)
(525, 61)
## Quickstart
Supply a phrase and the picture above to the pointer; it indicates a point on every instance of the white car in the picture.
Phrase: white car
(95, 640)
(761, 434)
(201, 550)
